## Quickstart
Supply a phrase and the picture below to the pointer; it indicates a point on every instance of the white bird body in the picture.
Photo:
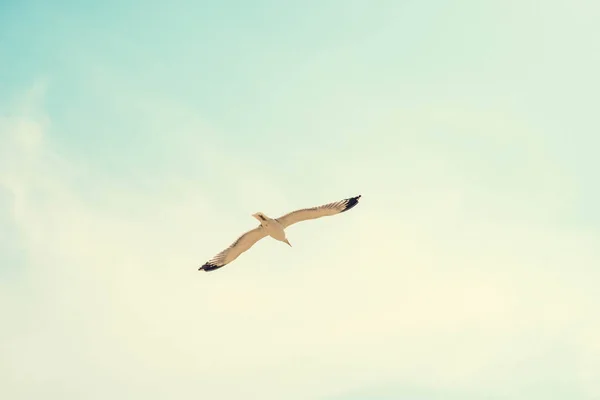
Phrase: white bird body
(276, 229)
(272, 227)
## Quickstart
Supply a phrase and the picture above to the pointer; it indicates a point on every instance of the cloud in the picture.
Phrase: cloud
(112, 304)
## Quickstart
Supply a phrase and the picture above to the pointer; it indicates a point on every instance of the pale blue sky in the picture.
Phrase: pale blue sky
(136, 138)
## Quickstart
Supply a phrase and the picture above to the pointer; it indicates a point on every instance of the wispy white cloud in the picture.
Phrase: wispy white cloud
(112, 304)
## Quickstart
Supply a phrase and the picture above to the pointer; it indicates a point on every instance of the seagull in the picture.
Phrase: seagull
(276, 229)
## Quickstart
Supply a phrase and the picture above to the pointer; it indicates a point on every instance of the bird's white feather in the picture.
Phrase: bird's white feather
(241, 244)
(317, 212)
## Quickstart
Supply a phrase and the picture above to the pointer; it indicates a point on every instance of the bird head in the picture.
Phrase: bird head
(259, 216)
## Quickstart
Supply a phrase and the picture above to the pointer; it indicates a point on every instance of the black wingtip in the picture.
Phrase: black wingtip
(351, 202)
(209, 267)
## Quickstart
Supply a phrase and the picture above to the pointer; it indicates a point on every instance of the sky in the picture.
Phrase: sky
(137, 138)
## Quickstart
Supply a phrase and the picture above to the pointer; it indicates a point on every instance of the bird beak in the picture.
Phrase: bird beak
(288, 242)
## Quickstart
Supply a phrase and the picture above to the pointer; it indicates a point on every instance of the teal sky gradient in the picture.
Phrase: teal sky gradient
(136, 138)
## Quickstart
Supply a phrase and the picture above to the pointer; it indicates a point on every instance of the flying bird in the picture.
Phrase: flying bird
(276, 229)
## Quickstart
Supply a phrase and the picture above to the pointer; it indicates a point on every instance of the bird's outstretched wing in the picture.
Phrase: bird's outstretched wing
(318, 212)
(242, 244)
